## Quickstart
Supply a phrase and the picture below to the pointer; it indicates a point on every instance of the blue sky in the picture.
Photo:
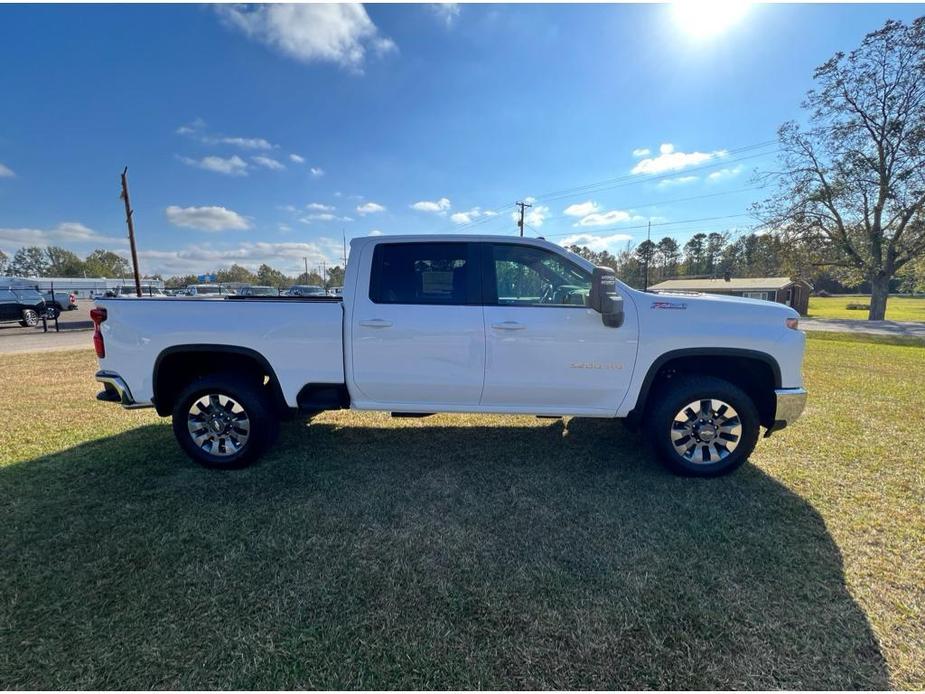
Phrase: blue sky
(261, 134)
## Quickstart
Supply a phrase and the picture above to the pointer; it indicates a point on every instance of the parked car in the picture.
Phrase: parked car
(208, 290)
(336, 291)
(463, 324)
(129, 290)
(306, 290)
(62, 301)
(24, 306)
(258, 290)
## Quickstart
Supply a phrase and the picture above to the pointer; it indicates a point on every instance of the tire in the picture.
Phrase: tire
(691, 444)
(30, 318)
(245, 424)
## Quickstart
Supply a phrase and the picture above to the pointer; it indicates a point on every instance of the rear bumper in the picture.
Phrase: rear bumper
(789, 405)
(115, 389)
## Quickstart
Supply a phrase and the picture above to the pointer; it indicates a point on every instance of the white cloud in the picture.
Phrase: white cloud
(447, 12)
(269, 163)
(6, 171)
(641, 152)
(725, 173)
(581, 209)
(440, 206)
(596, 242)
(197, 130)
(375, 232)
(232, 166)
(319, 207)
(677, 181)
(191, 128)
(242, 142)
(296, 158)
(65, 232)
(209, 218)
(370, 208)
(284, 228)
(598, 219)
(670, 160)
(323, 217)
(471, 215)
(334, 33)
(317, 171)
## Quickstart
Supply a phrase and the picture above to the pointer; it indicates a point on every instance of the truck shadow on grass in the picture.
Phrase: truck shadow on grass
(365, 554)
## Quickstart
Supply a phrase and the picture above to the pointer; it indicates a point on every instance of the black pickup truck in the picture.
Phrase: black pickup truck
(22, 305)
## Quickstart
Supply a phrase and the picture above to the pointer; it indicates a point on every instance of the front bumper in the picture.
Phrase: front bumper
(788, 406)
(115, 389)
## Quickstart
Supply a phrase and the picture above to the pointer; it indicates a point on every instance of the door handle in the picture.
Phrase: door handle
(508, 325)
(376, 323)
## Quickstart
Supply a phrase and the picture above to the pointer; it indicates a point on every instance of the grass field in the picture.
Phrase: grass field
(463, 551)
(901, 308)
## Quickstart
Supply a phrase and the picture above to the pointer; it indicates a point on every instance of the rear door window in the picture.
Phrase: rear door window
(425, 273)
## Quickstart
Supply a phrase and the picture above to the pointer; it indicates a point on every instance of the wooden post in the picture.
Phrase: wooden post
(131, 230)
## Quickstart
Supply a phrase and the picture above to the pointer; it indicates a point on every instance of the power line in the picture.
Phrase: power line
(637, 179)
(567, 192)
(656, 224)
(673, 201)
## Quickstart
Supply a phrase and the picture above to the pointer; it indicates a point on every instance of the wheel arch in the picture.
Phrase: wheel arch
(755, 372)
(177, 366)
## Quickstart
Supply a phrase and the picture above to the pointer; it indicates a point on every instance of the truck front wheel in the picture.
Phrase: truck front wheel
(224, 421)
(702, 426)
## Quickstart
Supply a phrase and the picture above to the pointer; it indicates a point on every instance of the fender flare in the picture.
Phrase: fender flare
(674, 354)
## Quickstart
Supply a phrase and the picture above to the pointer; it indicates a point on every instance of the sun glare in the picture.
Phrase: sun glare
(704, 19)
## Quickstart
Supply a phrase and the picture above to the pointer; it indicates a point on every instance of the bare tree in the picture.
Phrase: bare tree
(852, 185)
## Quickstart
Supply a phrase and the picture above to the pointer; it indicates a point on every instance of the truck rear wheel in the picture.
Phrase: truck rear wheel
(703, 426)
(223, 421)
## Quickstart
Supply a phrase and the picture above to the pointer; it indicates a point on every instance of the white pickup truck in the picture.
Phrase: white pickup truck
(460, 324)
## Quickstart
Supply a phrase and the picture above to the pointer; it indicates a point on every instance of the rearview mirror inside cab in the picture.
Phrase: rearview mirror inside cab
(604, 297)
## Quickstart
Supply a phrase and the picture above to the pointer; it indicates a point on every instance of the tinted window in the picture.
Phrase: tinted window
(7, 295)
(423, 273)
(529, 276)
(29, 296)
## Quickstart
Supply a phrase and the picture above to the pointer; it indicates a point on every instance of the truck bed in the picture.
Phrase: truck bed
(302, 337)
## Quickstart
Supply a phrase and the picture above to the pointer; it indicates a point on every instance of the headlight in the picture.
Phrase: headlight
(792, 323)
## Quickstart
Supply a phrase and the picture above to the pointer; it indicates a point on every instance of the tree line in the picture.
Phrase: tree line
(712, 254)
(264, 276)
(716, 254)
(54, 261)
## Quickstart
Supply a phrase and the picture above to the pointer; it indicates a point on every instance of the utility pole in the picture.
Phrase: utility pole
(521, 222)
(645, 284)
(324, 276)
(305, 258)
(345, 247)
(131, 229)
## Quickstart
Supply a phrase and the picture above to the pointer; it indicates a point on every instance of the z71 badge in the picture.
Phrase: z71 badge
(669, 305)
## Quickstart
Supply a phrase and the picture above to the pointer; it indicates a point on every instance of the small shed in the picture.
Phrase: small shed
(793, 292)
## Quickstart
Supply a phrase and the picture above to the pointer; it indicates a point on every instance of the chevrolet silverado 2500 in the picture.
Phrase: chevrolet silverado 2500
(460, 324)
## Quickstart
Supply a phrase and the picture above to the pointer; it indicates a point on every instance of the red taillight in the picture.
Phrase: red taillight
(98, 315)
